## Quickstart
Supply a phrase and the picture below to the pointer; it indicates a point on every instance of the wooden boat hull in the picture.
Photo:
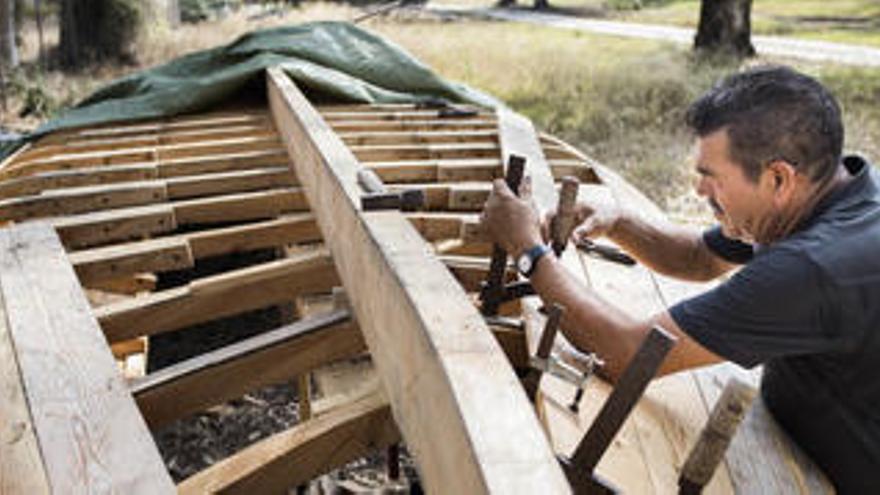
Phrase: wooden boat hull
(131, 201)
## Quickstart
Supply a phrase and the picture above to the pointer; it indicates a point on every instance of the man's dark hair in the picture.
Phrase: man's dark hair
(773, 113)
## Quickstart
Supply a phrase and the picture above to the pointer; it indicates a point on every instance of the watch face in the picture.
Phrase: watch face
(524, 263)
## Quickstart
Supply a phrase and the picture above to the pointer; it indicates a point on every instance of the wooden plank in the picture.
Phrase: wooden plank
(91, 435)
(303, 452)
(443, 371)
(374, 153)
(37, 183)
(149, 154)
(289, 229)
(155, 255)
(21, 466)
(437, 170)
(426, 137)
(101, 227)
(229, 182)
(412, 125)
(367, 113)
(220, 146)
(226, 162)
(226, 294)
(83, 200)
(240, 207)
(232, 371)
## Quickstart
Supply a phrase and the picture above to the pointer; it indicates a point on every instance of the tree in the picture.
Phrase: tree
(98, 30)
(725, 28)
(8, 47)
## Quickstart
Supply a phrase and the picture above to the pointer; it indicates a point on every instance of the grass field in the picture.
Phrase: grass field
(620, 100)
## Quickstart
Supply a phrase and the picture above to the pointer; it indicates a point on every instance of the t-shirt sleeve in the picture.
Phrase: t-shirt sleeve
(728, 249)
(779, 304)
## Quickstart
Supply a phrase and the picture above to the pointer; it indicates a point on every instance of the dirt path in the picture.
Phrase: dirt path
(820, 51)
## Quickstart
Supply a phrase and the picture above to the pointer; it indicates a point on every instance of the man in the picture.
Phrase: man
(803, 220)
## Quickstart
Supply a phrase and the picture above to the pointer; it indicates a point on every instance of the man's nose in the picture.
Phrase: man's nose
(701, 187)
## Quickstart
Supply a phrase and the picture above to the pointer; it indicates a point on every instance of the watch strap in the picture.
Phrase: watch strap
(535, 253)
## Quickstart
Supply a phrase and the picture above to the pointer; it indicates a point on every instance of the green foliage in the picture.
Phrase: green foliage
(29, 87)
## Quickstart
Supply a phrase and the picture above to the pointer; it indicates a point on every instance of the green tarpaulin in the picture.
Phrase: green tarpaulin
(330, 61)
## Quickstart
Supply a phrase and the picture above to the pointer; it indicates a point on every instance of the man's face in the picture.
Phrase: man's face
(740, 205)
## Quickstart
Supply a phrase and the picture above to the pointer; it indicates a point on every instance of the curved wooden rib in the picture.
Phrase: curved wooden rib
(454, 396)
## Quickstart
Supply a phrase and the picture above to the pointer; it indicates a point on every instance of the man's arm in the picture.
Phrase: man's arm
(664, 247)
(595, 325)
(667, 248)
(590, 323)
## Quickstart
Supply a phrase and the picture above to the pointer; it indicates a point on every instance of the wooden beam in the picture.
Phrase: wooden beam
(240, 207)
(229, 182)
(224, 162)
(232, 371)
(288, 229)
(478, 170)
(83, 200)
(154, 255)
(214, 297)
(367, 113)
(412, 125)
(21, 466)
(98, 228)
(91, 436)
(423, 137)
(300, 454)
(37, 183)
(150, 154)
(374, 153)
(443, 371)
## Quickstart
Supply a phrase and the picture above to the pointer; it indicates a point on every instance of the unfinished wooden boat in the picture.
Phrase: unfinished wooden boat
(103, 210)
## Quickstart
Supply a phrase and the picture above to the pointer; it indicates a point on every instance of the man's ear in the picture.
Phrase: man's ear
(783, 180)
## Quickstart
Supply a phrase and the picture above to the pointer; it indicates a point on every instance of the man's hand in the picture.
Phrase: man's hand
(512, 222)
(596, 214)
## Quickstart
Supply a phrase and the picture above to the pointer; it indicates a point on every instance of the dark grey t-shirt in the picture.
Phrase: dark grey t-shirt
(808, 308)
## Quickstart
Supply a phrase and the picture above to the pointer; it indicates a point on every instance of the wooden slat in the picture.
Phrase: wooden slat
(226, 162)
(240, 207)
(127, 129)
(83, 200)
(366, 113)
(232, 371)
(374, 153)
(412, 125)
(37, 183)
(94, 229)
(437, 170)
(303, 452)
(150, 154)
(427, 137)
(111, 262)
(229, 182)
(214, 297)
(454, 396)
(91, 435)
(21, 466)
(290, 229)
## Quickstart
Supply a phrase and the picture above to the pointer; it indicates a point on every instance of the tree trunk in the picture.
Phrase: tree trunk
(98, 30)
(8, 47)
(725, 28)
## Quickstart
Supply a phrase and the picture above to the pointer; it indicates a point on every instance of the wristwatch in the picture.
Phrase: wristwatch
(528, 260)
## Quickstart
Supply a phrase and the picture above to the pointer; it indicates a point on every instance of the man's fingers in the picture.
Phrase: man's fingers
(586, 230)
(525, 188)
(499, 187)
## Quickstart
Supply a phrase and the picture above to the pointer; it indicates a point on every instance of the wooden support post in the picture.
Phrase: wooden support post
(442, 370)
